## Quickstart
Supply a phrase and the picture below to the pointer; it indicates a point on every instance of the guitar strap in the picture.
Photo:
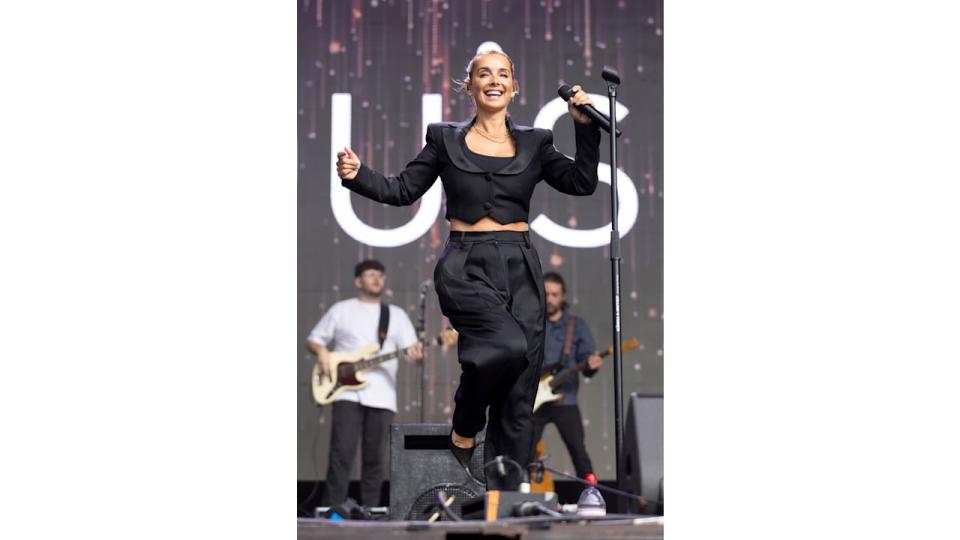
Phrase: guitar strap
(568, 339)
(384, 323)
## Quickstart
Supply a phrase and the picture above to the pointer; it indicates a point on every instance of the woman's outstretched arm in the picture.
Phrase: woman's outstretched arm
(400, 190)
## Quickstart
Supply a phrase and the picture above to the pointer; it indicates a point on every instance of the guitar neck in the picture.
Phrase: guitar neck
(379, 359)
(386, 357)
(567, 373)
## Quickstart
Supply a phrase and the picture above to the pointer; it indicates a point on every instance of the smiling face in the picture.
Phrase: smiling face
(491, 82)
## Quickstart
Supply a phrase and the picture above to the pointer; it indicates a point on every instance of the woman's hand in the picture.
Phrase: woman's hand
(348, 164)
(579, 97)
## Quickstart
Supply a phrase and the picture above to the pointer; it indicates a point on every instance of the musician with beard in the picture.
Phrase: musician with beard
(568, 343)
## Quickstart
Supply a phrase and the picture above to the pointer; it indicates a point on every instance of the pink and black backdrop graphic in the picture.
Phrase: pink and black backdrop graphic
(373, 73)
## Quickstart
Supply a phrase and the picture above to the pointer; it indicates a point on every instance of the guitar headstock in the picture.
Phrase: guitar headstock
(625, 345)
(449, 337)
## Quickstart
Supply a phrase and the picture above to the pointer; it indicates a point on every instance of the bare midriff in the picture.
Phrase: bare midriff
(486, 224)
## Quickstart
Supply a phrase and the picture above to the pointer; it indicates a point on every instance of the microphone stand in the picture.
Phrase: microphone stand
(613, 81)
(422, 335)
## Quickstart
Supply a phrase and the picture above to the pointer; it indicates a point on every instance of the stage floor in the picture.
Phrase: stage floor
(640, 528)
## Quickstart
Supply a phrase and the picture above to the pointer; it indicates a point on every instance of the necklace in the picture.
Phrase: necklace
(489, 137)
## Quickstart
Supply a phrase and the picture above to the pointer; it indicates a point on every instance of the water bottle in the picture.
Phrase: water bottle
(591, 502)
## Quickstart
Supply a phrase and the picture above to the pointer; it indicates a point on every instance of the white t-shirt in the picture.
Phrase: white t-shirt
(351, 324)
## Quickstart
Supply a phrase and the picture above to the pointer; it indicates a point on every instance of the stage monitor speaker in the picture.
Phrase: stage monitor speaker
(421, 464)
(643, 452)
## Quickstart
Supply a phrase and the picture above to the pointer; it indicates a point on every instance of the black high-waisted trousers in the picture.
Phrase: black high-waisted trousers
(491, 288)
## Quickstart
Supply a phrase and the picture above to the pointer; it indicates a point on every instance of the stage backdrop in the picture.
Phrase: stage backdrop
(373, 73)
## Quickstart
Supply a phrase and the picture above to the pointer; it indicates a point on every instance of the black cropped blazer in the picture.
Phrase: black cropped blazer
(471, 192)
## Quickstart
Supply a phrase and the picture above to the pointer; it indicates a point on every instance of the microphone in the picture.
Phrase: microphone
(501, 467)
(601, 120)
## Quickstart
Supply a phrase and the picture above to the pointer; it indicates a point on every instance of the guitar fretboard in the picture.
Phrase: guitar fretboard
(386, 357)
(568, 373)
(379, 359)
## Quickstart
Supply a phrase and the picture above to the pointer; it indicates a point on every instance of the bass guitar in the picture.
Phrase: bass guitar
(346, 368)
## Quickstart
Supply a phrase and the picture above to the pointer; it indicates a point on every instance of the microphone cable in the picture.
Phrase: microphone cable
(499, 461)
(643, 501)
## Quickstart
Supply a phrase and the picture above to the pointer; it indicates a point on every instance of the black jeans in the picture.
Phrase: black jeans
(350, 420)
(490, 287)
(570, 425)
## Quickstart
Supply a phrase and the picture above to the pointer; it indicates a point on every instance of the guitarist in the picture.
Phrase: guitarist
(568, 343)
(368, 412)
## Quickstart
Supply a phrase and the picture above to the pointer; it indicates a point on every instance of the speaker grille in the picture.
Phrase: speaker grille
(426, 503)
(476, 462)
(420, 461)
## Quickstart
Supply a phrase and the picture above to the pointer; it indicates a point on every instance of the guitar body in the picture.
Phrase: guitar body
(551, 378)
(347, 368)
(344, 375)
(545, 394)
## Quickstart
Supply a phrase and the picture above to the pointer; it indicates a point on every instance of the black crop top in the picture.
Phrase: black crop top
(472, 192)
(487, 163)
